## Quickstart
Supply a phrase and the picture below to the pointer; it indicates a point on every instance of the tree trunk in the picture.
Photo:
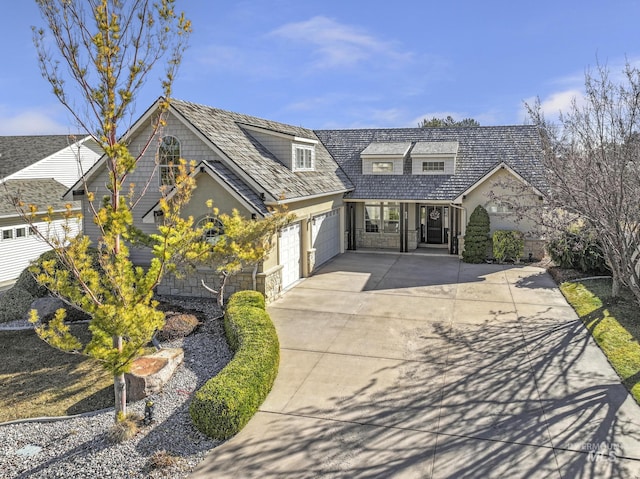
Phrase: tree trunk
(119, 385)
(615, 286)
(223, 284)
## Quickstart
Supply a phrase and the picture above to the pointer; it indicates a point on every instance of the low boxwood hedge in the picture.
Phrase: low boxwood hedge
(226, 402)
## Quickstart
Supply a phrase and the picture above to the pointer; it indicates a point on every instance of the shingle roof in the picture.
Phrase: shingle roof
(480, 149)
(224, 129)
(18, 152)
(239, 186)
(40, 192)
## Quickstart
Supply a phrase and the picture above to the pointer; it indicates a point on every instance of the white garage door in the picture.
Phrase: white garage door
(289, 251)
(326, 235)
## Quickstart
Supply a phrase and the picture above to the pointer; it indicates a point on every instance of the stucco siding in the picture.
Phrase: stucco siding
(499, 221)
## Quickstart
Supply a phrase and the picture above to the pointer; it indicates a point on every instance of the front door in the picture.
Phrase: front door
(434, 224)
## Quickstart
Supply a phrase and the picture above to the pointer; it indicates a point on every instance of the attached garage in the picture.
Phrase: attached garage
(289, 254)
(325, 235)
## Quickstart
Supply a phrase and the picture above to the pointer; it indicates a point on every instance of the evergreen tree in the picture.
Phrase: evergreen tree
(106, 49)
(476, 238)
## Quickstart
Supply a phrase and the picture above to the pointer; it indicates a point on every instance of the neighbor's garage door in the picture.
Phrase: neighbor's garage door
(325, 235)
(289, 251)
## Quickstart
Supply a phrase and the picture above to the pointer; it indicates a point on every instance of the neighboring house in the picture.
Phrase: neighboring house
(36, 170)
(373, 188)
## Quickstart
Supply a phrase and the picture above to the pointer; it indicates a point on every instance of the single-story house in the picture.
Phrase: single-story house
(400, 189)
(36, 170)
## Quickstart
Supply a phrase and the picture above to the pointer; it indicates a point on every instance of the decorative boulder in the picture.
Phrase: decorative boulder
(150, 373)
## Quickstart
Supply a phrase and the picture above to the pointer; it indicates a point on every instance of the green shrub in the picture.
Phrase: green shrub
(226, 402)
(476, 238)
(14, 303)
(577, 248)
(508, 244)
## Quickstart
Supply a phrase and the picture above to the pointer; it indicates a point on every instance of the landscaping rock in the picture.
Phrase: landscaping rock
(46, 306)
(178, 325)
(150, 373)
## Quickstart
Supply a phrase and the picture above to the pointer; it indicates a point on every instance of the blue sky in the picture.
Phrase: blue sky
(356, 64)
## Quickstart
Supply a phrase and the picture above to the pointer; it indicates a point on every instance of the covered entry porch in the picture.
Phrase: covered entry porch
(403, 226)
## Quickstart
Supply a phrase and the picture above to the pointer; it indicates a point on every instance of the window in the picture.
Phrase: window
(495, 208)
(168, 159)
(303, 157)
(33, 230)
(21, 232)
(382, 167)
(433, 166)
(382, 218)
(7, 234)
(214, 229)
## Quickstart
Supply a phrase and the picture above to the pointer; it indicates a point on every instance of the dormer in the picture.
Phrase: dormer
(384, 158)
(295, 152)
(434, 157)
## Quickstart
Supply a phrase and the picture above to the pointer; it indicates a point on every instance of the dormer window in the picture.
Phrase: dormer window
(303, 158)
(434, 157)
(433, 166)
(382, 158)
(382, 167)
(168, 160)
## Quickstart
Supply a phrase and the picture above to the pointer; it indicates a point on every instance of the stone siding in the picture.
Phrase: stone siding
(268, 283)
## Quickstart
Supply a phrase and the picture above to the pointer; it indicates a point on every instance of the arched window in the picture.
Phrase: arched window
(214, 229)
(168, 159)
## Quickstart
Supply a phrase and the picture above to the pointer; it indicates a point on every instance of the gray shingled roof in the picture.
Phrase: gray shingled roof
(239, 186)
(18, 152)
(435, 148)
(480, 149)
(224, 129)
(391, 148)
(40, 192)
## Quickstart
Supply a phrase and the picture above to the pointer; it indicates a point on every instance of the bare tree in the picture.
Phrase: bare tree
(592, 168)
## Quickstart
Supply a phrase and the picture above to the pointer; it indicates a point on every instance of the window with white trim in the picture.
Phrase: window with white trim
(214, 229)
(303, 158)
(168, 159)
(433, 166)
(7, 234)
(382, 167)
(21, 232)
(382, 217)
(494, 208)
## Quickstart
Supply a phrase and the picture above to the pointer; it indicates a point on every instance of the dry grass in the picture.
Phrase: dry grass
(38, 380)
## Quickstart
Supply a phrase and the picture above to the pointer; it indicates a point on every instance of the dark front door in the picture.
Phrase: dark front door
(434, 224)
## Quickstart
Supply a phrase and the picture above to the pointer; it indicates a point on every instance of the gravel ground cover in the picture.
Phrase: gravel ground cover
(79, 447)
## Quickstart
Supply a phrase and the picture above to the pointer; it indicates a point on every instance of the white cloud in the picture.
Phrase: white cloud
(337, 45)
(30, 122)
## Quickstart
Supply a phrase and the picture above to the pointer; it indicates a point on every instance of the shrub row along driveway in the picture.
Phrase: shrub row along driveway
(413, 366)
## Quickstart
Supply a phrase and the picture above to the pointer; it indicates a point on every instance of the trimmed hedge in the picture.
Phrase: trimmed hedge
(226, 402)
(14, 304)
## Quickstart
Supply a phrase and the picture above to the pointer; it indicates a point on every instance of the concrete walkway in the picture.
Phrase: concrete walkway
(424, 367)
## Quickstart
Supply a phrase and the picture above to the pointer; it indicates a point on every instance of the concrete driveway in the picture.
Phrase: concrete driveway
(425, 367)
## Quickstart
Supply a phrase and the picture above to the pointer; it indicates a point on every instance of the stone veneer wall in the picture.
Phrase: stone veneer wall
(268, 283)
(377, 240)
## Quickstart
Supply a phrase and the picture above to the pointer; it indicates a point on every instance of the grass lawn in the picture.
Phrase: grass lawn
(38, 380)
(614, 324)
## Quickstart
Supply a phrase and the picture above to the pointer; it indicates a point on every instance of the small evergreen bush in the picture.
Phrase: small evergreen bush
(577, 248)
(507, 244)
(476, 238)
(226, 402)
(14, 303)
